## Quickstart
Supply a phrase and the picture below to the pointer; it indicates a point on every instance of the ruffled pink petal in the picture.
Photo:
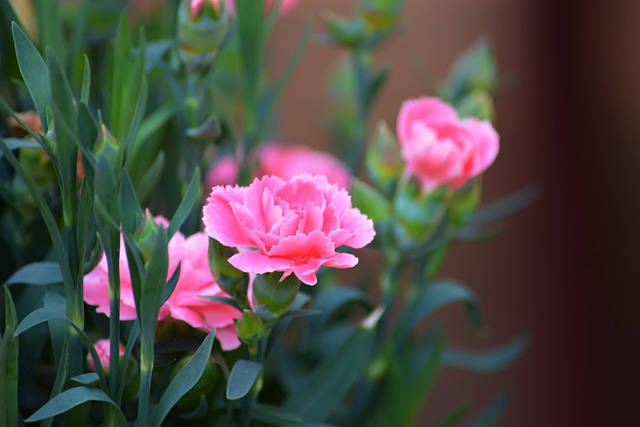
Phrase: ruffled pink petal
(313, 245)
(259, 263)
(342, 260)
(228, 338)
(219, 219)
(487, 145)
(422, 110)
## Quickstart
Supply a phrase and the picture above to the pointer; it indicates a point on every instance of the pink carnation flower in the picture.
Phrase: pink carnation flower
(284, 161)
(292, 226)
(223, 172)
(196, 5)
(441, 149)
(285, 5)
(185, 303)
(287, 161)
(103, 348)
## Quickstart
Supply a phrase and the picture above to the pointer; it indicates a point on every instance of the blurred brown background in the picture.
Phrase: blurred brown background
(565, 272)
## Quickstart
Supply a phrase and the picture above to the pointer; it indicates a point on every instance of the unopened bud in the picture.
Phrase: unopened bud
(227, 276)
(202, 25)
(250, 328)
(273, 296)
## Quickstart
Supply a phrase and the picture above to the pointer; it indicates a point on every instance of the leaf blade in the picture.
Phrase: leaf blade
(242, 377)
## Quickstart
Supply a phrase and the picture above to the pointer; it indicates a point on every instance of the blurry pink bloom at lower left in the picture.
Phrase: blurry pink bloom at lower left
(187, 302)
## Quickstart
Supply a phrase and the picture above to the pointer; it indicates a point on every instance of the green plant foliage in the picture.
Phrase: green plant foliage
(242, 378)
(135, 108)
(73, 397)
(37, 273)
(183, 381)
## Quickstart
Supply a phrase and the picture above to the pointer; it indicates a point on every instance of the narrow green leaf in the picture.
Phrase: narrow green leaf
(151, 177)
(37, 273)
(186, 378)
(50, 27)
(154, 278)
(454, 416)
(440, 294)
(61, 379)
(170, 286)
(86, 379)
(242, 377)
(34, 72)
(9, 364)
(39, 316)
(15, 143)
(130, 211)
(134, 333)
(65, 118)
(318, 395)
(79, 26)
(87, 128)
(120, 67)
(138, 114)
(491, 415)
(58, 330)
(155, 51)
(251, 29)
(136, 268)
(86, 79)
(45, 211)
(153, 123)
(274, 415)
(474, 69)
(73, 397)
(106, 191)
(277, 88)
(419, 387)
(505, 206)
(302, 313)
(486, 361)
(375, 83)
(184, 209)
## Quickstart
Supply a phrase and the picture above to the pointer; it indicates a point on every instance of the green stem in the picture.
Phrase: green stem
(255, 355)
(114, 321)
(356, 148)
(146, 370)
(389, 289)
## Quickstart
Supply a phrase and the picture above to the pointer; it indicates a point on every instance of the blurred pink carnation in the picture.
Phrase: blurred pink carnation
(287, 161)
(441, 149)
(185, 303)
(295, 226)
(284, 161)
(196, 5)
(285, 5)
(103, 348)
(223, 172)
